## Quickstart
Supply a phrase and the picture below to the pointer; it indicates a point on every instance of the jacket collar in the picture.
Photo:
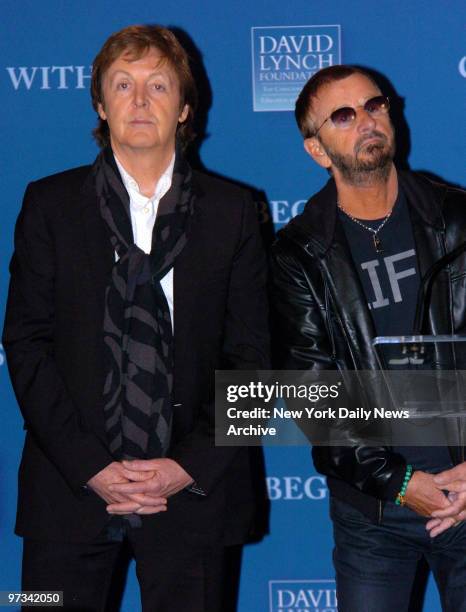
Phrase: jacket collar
(88, 186)
(317, 224)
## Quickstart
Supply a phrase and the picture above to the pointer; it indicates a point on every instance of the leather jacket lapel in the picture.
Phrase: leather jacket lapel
(320, 234)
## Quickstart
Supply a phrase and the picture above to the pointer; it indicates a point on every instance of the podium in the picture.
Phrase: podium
(425, 376)
(443, 352)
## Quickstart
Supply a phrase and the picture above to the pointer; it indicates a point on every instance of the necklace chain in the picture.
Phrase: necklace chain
(374, 232)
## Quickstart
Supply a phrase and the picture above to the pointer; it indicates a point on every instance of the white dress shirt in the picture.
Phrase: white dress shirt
(143, 212)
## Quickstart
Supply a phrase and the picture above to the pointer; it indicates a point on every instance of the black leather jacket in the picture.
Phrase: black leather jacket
(322, 320)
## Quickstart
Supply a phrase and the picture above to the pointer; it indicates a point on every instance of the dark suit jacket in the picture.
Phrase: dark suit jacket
(53, 344)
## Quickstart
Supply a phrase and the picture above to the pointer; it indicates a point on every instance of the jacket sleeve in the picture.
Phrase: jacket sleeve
(245, 347)
(28, 338)
(302, 341)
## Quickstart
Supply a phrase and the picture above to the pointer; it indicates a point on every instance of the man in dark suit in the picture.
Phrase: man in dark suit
(133, 280)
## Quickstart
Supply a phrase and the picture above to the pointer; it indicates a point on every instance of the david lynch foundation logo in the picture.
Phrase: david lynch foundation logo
(285, 57)
(302, 596)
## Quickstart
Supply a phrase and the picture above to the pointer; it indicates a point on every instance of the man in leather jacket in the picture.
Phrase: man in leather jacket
(344, 271)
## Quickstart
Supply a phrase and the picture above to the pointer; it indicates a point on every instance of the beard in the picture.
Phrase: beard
(369, 163)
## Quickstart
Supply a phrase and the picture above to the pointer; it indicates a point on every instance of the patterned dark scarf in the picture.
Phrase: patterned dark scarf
(137, 327)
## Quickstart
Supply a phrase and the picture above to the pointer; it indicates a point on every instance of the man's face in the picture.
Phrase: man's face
(141, 104)
(364, 148)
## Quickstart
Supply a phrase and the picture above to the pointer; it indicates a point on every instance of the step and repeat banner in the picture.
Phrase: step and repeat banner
(253, 58)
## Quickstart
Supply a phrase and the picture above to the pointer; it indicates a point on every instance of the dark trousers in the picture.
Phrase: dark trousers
(173, 576)
(376, 564)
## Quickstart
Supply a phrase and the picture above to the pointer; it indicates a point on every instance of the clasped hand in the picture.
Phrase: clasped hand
(425, 495)
(141, 486)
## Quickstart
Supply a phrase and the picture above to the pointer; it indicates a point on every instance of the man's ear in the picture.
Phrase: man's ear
(183, 114)
(100, 110)
(315, 149)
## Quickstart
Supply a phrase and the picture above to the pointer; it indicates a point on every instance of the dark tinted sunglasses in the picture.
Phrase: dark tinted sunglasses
(344, 117)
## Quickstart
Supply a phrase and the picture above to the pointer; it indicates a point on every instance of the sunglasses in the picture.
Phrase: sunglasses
(344, 117)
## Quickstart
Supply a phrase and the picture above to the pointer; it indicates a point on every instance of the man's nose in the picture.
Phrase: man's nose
(140, 96)
(365, 121)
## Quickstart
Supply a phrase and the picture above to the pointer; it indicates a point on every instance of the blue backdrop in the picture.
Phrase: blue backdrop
(46, 119)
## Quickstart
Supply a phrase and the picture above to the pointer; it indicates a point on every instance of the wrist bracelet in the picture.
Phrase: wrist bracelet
(400, 498)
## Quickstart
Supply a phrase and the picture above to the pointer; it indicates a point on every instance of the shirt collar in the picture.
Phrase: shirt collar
(162, 186)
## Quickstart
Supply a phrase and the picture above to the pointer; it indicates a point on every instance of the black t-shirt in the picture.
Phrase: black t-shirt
(391, 281)
(391, 278)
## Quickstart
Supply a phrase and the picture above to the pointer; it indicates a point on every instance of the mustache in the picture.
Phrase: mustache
(374, 134)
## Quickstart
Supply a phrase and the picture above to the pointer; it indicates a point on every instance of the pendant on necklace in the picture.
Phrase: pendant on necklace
(377, 244)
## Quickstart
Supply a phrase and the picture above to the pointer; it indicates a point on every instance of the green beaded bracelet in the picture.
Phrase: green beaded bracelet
(400, 498)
